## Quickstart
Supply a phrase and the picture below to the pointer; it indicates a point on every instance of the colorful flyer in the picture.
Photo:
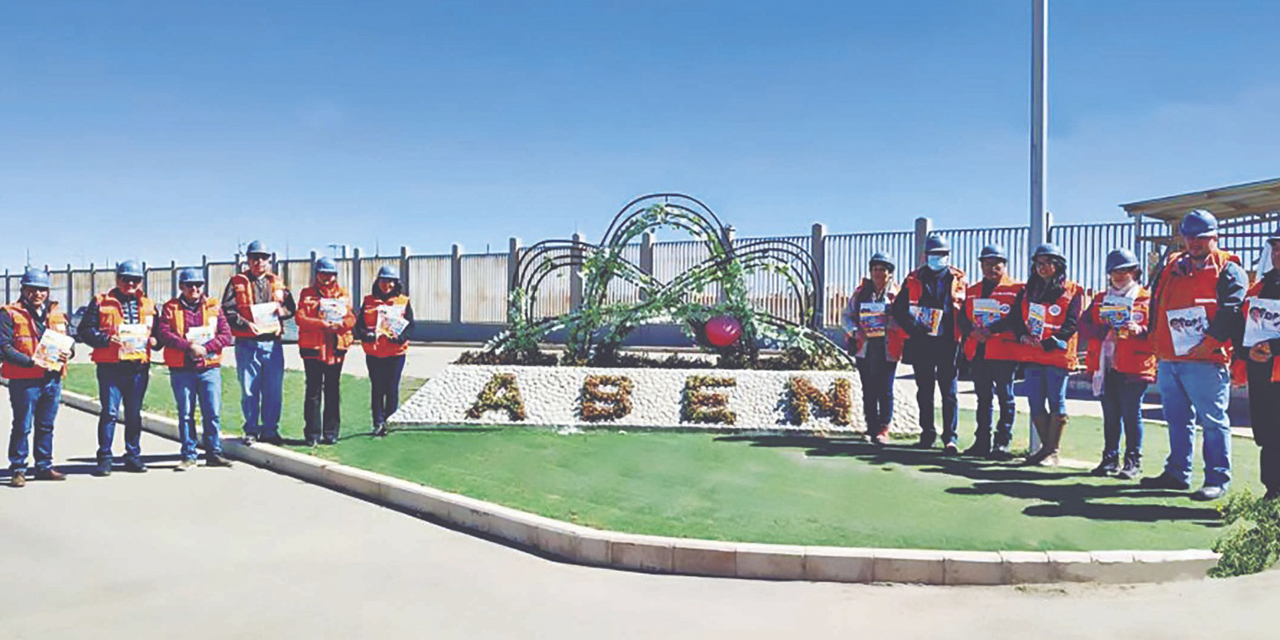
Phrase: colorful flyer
(266, 316)
(928, 318)
(133, 340)
(333, 309)
(53, 345)
(1036, 313)
(873, 319)
(201, 334)
(1262, 322)
(1187, 327)
(987, 311)
(1116, 311)
(391, 320)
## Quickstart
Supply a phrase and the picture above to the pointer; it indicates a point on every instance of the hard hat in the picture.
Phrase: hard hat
(1198, 224)
(325, 264)
(190, 275)
(883, 258)
(129, 269)
(33, 277)
(936, 244)
(1048, 249)
(1121, 259)
(391, 273)
(993, 252)
(257, 247)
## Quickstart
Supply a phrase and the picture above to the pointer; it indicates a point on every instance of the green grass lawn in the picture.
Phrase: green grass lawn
(792, 490)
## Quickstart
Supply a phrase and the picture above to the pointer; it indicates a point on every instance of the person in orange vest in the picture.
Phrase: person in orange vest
(866, 327)
(925, 311)
(1259, 341)
(1121, 361)
(193, 331)
(324, 321)
(1046, 322)
(256, 304)
(35, 386)
(120, 326)
(383, 326)
(992, 350)
(1195, 307)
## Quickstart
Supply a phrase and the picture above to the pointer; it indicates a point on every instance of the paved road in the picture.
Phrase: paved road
(246, 553)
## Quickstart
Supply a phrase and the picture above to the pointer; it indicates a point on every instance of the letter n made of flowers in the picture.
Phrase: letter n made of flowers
(837, 404)
(501, 393)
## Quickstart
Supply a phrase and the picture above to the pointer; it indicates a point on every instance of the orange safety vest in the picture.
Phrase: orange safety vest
(243, 291)
(310, 337)
(1003, 345)
(1240, 373)
(25, 340)
(1135, 355)
(1055, 314)
(381, 347)
(913, 289)
(176, 314)
(1179, 291)
(111, 315)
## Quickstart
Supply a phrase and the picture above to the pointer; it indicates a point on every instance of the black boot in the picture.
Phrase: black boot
(1132, 469)
(1109, 465)
(981, 447)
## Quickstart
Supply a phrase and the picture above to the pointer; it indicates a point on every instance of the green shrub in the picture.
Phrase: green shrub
(1252, 543)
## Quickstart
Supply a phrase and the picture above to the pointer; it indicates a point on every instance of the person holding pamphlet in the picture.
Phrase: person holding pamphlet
(1047, 313)
(193, 331)
(120, 326)
(324, 322)
(1196, 301)
(992, 350)
(255, 303)
(1259, 342)
(383, 326)
(925, 313)
(866, 327)
(34, 349)
(1121, 362)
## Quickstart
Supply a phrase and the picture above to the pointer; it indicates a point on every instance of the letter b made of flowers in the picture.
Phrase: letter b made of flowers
(599, 404)
(501, 393)
(701, 406)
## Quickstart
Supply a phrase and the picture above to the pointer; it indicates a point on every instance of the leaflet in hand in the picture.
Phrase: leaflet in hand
(333, 309)
(1116, 311)
(1187, 328)
(201, 335)
(872, 319)
(1035, 320)
(1263, 322)
(928, 318)
(266, 316)
(53, 345)
(987, 311)
(133, 340)
(391, 320)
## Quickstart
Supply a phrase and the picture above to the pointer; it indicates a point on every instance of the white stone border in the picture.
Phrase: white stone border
(657, 554)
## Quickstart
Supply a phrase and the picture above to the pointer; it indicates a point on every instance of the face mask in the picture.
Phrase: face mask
(937, 262)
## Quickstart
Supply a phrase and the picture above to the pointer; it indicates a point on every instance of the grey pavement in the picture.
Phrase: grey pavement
(246, 553)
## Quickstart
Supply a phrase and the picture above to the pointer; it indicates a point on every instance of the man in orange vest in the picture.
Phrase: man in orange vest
(120, 326)
(992, 350)
(926, 309)
(193, 331)
(324, 321)
(1195, 307)
(256, 303)
(35, 387)
(1259, 348)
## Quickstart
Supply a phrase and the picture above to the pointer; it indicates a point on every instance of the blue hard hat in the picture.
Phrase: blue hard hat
(129, 269)
(936, 244)
(993, 252)
(1121, 259)
(257, 247)
(1198, 224)
(33, 277)
(1048, 249)
(390, 273)
(190, 275)
(325, 264)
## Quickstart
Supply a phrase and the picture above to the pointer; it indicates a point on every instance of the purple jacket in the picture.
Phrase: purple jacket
(193, 316)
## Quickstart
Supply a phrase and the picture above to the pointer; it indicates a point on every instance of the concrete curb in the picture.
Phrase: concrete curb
(657, 554)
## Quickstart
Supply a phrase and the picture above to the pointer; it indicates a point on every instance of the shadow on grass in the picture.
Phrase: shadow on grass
(1043, 485)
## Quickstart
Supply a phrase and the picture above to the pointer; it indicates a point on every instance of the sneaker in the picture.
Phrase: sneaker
(328, 441)
(50, 474)
(102, 470)
(950, 449)
(249, 439)
(978, 450)
(1001, 454)
(1209, 492)
(135, 466)
(380, 431)
(1164, 481)
(1109, 465)
(216, 460)
(925, 443)
(18, 480)
(272, 439)
(310, 442)
(1132, 469)
(185, 465)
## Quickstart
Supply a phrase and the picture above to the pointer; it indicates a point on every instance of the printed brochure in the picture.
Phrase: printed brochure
(1262, 322)
(1187, 328)
(873, 319)
(928, 318)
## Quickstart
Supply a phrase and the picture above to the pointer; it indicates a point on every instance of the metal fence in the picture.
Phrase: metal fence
(461, 289)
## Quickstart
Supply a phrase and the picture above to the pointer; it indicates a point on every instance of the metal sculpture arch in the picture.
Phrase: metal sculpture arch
(596, 329)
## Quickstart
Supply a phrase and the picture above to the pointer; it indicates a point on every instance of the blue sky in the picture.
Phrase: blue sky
(164, 130)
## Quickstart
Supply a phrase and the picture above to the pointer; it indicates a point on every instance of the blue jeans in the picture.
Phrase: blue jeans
(1045, 384)
(994, 379)
(121, 383)
(205, 388)
(1197, 391)
(1121, 411)
(260, 368)
(33, 401)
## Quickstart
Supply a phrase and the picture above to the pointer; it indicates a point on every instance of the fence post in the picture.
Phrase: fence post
(173, 279)
(355, 269)
(818, 250)
(204, 271)
(93, 282)
(8, 299)
(71, 281)
(513, 271)
(923, 227)
(455, 285)
(575, 274)
(404, 270)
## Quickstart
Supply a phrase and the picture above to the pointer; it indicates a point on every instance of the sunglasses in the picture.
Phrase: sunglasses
(130, 280)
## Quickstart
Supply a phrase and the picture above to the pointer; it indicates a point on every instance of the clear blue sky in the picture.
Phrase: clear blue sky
(164, 130)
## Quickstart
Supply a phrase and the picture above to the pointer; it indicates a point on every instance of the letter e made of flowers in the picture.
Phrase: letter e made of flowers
(700, 406)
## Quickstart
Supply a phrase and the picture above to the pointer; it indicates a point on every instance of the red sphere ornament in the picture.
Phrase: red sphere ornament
(723, 331)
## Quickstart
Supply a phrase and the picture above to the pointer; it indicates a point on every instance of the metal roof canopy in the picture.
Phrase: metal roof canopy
(1249, 199)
